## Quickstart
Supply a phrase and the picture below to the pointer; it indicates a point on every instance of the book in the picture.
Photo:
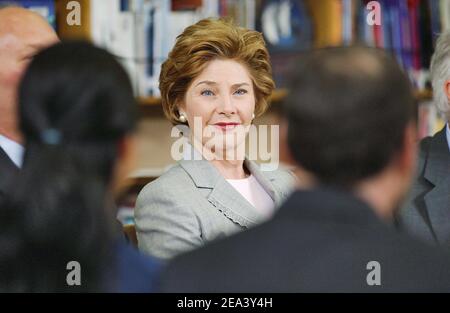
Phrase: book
(347, 21)
(45, 8)
(327, 22)
(180, 5)
(287, 30)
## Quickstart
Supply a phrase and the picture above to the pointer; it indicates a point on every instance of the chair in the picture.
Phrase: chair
(129, 231)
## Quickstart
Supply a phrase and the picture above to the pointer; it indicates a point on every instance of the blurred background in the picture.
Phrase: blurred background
(142, 32)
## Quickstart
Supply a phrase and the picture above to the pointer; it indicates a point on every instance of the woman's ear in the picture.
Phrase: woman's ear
(447, 89)
(180, 108)
(180, 105)
(182, 116)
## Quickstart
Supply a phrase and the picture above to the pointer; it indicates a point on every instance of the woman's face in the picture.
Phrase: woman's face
(219, 105)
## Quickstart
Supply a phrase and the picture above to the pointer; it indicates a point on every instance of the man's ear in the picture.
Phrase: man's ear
(285, 152)
(408, 155)
(305, 179)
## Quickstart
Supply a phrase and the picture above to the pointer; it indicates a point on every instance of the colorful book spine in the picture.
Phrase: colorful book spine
(413, 6)
(405, 32)
(347, 22)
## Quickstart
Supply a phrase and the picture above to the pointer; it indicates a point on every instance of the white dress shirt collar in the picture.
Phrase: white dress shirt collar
(13, 150)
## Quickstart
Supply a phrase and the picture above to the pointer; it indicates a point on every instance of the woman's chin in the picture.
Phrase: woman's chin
(224, 151)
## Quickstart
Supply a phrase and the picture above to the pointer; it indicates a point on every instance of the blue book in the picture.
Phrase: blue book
(386, 28)
(387, 25)
(299, 35)
(394, 12)
(435, 18)
(46, 8)
(284, 43)
(150, 35)
(405, 33)
(347, 22)
(365, 31)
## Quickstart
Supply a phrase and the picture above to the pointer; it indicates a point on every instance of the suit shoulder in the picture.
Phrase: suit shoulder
(283, 177)
(283, 174)
(166, 185)
(424, 254)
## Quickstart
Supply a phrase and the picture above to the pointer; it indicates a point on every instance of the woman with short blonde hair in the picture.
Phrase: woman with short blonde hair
(217, 76)
(214, 39)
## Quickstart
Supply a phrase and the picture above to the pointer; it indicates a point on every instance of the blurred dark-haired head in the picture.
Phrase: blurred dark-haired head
(79, 90)
(76, 109)
(348, 111)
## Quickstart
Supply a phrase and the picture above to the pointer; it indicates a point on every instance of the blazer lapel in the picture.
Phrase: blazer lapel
(266, 182)
(233, 205)
(222, 195)
(437, 200)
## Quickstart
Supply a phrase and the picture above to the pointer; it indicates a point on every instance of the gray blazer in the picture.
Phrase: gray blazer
(192, 204)
(426, 213)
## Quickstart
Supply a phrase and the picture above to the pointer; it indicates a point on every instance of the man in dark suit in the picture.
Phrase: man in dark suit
(426, 213)
(351, 131)
(22, 34)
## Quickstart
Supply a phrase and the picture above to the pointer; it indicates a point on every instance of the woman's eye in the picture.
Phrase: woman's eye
(240, 92)
(207, 93)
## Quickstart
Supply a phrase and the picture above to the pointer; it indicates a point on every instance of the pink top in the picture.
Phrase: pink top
(255, 194)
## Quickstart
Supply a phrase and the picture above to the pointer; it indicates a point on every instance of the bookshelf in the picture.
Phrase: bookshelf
(322, 23)
(408, 31)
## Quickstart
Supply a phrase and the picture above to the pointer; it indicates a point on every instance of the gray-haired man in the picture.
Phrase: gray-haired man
(426, 213)
(22, 34)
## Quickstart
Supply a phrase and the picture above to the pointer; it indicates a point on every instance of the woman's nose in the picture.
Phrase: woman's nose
(227, 106)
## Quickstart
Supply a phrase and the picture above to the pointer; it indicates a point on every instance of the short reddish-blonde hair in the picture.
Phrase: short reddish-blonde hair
(207, 40)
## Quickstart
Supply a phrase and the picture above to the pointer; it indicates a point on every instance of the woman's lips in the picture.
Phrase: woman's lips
(226, 126)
